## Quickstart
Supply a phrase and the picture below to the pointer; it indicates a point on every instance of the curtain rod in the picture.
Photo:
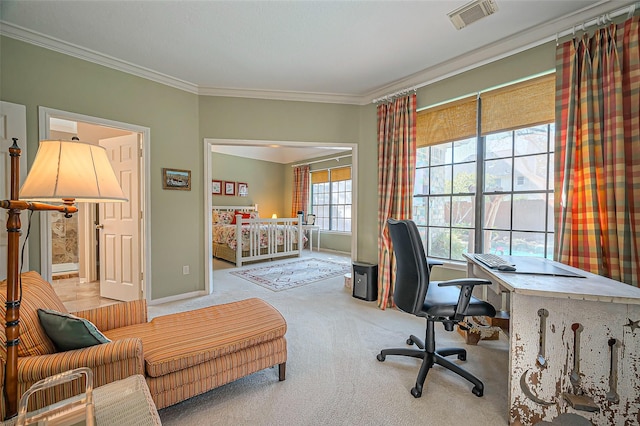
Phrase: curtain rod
(598, 20)
(321, 161)
(392, 96)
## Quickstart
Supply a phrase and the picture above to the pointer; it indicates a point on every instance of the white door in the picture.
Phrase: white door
(119, 224)
(13, 124)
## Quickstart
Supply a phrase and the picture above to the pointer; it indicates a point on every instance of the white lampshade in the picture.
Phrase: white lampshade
(65, 170)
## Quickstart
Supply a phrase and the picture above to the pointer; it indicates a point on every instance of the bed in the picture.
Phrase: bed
(240, 236)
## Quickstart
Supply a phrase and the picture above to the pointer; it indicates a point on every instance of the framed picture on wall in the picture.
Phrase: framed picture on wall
(176, 179)
(229, 188)
(243, 189)
(216, 187)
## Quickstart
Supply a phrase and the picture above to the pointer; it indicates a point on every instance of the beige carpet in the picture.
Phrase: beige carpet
(333, 377)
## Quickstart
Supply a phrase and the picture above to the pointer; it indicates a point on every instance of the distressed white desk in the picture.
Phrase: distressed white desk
(604, 308)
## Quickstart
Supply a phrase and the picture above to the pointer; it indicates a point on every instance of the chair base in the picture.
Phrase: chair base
(429, 359)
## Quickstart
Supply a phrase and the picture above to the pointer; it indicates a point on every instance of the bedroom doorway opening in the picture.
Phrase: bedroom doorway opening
(276, 152)
(94, 242)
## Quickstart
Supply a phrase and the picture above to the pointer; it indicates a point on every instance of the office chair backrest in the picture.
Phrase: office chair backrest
(412, 273)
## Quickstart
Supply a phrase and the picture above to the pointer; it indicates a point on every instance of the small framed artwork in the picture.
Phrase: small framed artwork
(216, 187)
(229, 188)
(243, 189)
(176, 179)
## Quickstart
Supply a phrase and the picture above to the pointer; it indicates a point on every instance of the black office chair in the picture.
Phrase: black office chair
(439, 302)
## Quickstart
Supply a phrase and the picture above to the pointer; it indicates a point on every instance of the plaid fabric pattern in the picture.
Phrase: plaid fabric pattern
(300, 200)
(396, 175)
(597, 160)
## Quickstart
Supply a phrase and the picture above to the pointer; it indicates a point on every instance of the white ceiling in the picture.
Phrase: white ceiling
(323, 51)
(336, 51)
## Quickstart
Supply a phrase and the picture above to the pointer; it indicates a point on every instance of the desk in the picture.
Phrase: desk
(312, 228)
(605, 308)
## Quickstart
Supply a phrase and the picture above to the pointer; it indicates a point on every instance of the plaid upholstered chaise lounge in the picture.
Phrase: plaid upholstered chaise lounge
(181, 355)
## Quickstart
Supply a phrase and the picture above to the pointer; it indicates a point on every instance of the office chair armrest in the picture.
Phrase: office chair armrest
(433, 262)
(466, 290)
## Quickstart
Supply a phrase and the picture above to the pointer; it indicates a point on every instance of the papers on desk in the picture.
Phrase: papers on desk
(538, 266)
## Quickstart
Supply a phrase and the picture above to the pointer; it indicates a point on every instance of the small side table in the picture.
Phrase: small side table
(123, 402)
(312, 228)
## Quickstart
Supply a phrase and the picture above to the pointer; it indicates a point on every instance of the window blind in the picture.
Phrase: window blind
(320, 176)
(340, 173)
(445, 123)
(524, 104)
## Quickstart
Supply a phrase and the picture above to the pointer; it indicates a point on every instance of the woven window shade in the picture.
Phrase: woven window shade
(445, 123)
(321, 176)
(341, 173)
(525, 104)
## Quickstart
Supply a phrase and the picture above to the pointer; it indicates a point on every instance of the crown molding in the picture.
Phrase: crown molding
(496, 51)
(282, 95)
(528, 39)
(38, 39)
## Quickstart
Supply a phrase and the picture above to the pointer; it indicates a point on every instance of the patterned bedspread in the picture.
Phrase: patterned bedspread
(226, 234)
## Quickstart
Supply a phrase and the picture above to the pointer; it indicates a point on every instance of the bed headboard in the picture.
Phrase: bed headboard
(238, 208)
(225, 214)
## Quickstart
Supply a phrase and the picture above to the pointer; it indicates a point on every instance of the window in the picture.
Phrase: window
(518, 192)
(491, 192)
(444, 198)
(331, 198)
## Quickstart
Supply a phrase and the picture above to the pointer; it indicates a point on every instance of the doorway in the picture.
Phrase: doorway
(92, 256)
(208, 176)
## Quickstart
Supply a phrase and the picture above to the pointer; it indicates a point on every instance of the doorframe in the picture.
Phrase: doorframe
(208, 175)
(19, 122)
(44, 116)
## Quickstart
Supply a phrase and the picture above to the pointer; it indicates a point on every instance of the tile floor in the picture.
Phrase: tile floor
(77, 295)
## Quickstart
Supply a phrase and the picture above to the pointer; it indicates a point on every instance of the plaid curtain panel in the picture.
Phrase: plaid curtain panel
(396, 174)
(300, 190)
(597, 160)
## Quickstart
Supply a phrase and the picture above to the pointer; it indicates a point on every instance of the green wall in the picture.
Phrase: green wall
(278, 121)
(34, 76)
(264, 178)
(179, 122)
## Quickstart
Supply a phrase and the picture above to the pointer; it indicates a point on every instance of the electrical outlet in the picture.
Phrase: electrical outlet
(185, 270)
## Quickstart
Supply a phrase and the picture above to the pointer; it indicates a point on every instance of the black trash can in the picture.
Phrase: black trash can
(365, 281)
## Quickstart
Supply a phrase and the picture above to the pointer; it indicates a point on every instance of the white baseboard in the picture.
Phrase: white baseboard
(177, 297)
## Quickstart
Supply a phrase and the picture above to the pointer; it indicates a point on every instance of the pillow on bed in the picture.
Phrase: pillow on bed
(254, 215)
(225, 217)
(245, 215)
(215, 216)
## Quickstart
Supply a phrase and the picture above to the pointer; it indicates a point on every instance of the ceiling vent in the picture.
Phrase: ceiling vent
(472, 12)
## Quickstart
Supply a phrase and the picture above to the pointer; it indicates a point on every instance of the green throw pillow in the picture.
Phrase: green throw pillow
(68, 331)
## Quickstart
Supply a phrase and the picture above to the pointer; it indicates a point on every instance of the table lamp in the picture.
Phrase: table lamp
(62, 172)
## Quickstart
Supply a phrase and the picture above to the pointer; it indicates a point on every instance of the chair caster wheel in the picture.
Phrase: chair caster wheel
(380, 357)
(477, 391)
(462, 357)
(409, 341)
(416, 393)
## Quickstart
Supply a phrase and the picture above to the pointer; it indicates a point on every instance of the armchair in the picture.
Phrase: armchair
(440, 302)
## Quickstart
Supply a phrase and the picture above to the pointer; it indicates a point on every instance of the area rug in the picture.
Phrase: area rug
(285, 276)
